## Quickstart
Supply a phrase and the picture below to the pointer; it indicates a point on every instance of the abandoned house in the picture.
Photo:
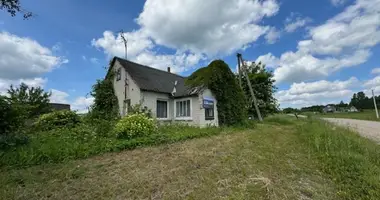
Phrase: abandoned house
(164, 93)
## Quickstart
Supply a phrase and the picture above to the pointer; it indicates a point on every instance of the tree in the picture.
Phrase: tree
(263, 85)
(13, 7)
(105, 103)
(361, 101)
(31, 101)
(218, 77)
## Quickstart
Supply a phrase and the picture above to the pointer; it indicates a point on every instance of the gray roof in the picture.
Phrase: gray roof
(151, 79)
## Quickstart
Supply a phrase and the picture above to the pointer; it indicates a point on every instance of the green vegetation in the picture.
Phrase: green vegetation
(282, 158)
(263, 163)
(105, 102)
(361, 101)
(136, 125)
(57, 119)
(364, 115)
(352, 162)
(218, 77)
(263, 86)
(87, 139)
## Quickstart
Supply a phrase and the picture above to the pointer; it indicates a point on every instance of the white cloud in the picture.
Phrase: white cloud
(25, 58)
(357, 27)
(321, 86)
(273, 35)
(143, 53)
(113, 45)
(338, 2)
(292, 23)
(84, 58)
(316, 93)
(94, 61)
(375, 71)
(82, 104)
(372, 84)
(269, 60)
(209, 27)
(300, 66)
(6, 83)
(343, 41)
(58, 96)
(196, 29)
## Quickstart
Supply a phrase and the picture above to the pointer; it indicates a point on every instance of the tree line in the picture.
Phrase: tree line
(359, 100)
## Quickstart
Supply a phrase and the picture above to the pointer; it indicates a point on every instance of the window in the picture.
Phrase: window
(118, 74)
(209, 113)
(183, 108)
(162, 109)
(208, 105)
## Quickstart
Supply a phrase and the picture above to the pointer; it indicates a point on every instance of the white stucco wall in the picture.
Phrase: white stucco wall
(202, 120)
(133, 91)
(149, 99)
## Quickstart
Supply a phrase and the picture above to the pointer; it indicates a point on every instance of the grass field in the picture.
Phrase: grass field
(365, 115)
(283, 158)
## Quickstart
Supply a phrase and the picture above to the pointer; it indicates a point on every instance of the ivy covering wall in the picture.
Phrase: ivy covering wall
(218, 77)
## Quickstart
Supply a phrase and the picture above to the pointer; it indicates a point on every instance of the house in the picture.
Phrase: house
(352, 109)
(164, 93)
(59, 106)
(329, 109)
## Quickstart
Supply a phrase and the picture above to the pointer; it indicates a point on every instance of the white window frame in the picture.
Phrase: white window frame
(191, 109)
(167, 109)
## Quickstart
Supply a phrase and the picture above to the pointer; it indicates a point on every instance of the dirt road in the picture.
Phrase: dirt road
(368, 129)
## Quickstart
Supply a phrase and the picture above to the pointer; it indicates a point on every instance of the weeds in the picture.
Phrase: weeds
(352, 162)
(87, 139)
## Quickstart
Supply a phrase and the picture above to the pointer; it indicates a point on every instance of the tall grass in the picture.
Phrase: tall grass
(352, 162)
(65, 144)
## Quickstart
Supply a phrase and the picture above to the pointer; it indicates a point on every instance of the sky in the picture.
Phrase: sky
(319, 51)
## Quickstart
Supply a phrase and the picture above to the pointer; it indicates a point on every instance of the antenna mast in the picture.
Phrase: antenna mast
(125, 41)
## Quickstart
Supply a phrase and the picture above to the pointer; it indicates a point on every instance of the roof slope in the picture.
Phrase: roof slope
(155, 80)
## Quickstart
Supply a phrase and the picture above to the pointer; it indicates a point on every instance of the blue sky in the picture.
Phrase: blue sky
(320, 51)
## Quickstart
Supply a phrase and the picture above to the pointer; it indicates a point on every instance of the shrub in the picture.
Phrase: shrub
(135, 125)
(57, 119)
(137, 109)
(12, 140)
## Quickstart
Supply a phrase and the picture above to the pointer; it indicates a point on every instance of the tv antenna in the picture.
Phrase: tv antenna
(125, 41)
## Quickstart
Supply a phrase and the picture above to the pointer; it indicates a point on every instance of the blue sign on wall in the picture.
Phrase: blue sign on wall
(208, 103)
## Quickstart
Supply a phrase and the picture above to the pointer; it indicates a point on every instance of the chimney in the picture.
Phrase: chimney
(169, 69)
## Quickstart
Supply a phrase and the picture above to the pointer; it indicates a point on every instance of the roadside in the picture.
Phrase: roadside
(368, 129)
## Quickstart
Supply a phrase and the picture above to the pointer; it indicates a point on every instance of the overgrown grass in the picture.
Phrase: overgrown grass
(351, 161)
(262, 163)
(364, 115)
(85, 140)
(279, 120)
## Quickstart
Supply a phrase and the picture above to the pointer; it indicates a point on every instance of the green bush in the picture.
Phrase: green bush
(135, 125)
(57, 119)
(12, 140)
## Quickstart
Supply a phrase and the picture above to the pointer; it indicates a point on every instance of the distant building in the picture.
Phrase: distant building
(60, 106)
(352, 109)
(329, 109)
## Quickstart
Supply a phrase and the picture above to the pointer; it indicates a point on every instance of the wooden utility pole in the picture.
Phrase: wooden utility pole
(239, 70)
(244, 71)
(374, 102)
